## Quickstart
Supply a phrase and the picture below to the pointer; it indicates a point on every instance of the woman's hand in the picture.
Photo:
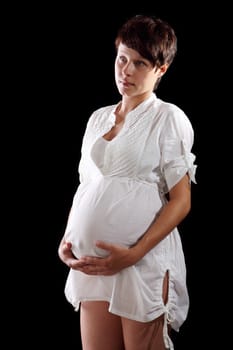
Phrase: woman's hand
(66, 255)
(119, 257)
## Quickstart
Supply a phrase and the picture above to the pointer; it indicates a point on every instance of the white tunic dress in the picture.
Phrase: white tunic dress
(122, 188)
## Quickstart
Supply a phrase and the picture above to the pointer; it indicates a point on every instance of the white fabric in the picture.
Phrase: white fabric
(122, 188)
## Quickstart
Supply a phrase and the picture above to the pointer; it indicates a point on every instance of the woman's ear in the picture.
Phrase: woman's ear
(163, 69)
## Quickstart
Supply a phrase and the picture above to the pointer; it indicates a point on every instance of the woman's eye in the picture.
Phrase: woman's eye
(122, 59)
(140, 64)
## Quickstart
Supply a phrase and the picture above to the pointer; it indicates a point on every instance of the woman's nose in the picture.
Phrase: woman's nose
(128, 68)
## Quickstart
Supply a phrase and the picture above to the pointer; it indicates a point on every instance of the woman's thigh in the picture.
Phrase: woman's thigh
(148, 335)
(143, 336)
(99, 328)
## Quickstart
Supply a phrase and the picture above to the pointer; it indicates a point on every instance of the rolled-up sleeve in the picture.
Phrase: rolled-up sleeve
(176, 144)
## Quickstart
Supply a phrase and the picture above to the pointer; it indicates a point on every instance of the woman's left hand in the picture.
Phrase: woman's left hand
(119, 257)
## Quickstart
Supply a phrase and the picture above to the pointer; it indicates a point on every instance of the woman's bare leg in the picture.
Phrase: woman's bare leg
(100, 329)
(145, 336)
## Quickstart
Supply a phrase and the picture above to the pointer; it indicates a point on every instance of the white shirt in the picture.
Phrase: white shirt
(122, 188)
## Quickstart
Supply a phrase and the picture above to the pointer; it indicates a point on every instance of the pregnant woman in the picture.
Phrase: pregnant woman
(127, 268)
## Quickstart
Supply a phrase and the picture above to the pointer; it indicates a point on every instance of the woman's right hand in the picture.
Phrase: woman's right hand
(66, 255)
(65, 252)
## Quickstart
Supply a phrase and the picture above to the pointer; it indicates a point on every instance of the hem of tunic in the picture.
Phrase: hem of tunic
(154, 316)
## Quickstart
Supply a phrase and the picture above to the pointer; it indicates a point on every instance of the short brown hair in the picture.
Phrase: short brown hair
(153, 38)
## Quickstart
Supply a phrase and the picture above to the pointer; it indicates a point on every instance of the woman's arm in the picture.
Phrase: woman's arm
(176, 209)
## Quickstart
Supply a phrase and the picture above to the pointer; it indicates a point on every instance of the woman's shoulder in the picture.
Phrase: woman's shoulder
(100, 117)
(173, 113)
(104, 110)
(101, 113)
(169, 108)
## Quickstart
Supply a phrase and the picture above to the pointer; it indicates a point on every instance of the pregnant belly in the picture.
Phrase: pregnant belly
(112, 210)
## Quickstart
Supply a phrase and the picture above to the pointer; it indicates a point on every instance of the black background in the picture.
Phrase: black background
(61, 60)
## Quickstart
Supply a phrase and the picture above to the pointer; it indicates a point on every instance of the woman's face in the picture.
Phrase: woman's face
(134, 74)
